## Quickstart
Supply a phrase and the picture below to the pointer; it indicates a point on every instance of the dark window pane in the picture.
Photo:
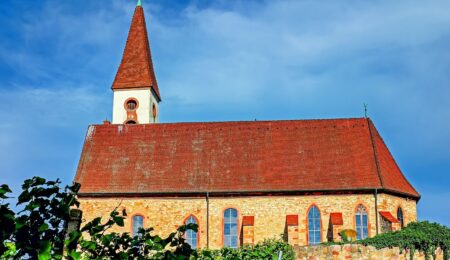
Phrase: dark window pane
(226, 229)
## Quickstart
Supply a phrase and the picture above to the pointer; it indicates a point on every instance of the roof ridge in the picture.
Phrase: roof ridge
(246, 121)
(395, 163)
(375, 154)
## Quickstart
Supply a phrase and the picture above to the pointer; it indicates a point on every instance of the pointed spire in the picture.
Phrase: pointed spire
(139, 3)
(136, 69)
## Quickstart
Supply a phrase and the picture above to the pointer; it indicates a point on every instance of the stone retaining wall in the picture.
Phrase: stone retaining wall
(357, 252)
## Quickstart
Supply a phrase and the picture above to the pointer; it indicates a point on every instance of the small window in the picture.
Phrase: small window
(154, 112)
(230, 228)
(314, 226)
(400, 216)
(191, 235)
(131, 104)
(138, 223)
(362, 223)
(130, 122)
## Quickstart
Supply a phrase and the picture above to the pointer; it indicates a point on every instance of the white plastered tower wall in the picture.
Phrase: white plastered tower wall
(146, 100)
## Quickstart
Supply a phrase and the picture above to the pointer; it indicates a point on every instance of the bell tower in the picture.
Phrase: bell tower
(135, 89)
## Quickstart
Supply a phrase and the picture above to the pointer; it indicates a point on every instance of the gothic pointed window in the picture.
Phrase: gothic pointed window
(191, 235)
(230, 228)
(362, 223)
(400, 216)
(314, 226)
(137, 223)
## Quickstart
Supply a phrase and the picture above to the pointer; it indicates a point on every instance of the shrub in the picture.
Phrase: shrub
(268, 249)
(423, 236)
(37, 231)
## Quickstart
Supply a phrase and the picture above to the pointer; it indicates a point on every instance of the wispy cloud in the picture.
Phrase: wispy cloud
(232, 60)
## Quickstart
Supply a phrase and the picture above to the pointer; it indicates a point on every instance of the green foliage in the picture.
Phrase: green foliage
(268, 249)
(37, 231)
(112, 245)
(7, 218)
(423, 236)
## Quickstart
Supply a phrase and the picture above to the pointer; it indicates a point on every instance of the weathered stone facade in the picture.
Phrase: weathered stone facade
(353, 251)
(166, 214)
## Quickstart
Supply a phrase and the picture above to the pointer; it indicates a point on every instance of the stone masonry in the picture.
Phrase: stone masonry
(166, 214)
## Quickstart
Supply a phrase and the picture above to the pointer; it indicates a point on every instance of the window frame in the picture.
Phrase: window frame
(364, 207)
(198, 230)
(308, 227)
(402, 221)
(125, 104)
(238, 231)
(132, 222)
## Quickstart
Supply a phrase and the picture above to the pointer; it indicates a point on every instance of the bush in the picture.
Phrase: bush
(37, 231)
(268, 249)
(423, 236)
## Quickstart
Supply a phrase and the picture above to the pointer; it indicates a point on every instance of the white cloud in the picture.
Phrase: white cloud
(235, 60)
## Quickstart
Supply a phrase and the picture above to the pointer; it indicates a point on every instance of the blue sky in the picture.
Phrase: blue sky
(231, 60)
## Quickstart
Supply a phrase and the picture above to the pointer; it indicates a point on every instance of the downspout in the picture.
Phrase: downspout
(207, 220)
(376, 209)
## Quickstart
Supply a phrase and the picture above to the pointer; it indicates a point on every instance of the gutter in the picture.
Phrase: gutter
(254, 193)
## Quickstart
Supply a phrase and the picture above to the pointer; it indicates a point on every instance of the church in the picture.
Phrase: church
(242, 182)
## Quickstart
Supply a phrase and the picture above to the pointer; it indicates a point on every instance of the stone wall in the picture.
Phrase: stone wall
(166, 214)
(357, 252)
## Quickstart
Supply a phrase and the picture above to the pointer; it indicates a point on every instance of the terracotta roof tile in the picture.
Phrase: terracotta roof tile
(391, 176)
(136, 68)
(302, 155)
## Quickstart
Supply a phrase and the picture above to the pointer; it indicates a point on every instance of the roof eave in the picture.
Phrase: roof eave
(246, 193)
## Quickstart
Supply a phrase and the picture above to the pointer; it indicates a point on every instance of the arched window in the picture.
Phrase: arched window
(314, 226)
(230, 228)
(138, 223)
(191, 235)
(130, 122)
(131, 104)
(154, 112)
(400, 216)
(362, 229)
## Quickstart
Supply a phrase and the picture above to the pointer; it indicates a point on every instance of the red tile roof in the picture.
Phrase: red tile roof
(248, 220)
(292, 220)
(336, 218)
(257, 156)
(388, 216)
(136, 69)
